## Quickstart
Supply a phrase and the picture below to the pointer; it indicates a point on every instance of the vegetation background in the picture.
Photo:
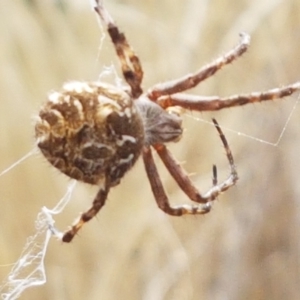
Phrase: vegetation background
(248, 247)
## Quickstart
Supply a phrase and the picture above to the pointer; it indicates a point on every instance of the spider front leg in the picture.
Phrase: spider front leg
(191, 80)
(212, 103)
(184, 182)
(130, 63)
(98, 202)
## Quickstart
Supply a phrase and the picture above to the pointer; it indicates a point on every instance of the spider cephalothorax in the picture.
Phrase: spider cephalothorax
(95, 132)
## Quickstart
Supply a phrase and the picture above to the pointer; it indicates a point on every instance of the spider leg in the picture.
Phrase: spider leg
(191, 80)
(215, 176)
(202, 103)
(184, 182)
(130, 63)
(98, 202)
(160, 194)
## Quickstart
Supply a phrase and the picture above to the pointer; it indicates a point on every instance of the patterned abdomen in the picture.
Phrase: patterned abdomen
(90, 132)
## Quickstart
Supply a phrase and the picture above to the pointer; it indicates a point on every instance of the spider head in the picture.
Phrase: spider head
(160, 126)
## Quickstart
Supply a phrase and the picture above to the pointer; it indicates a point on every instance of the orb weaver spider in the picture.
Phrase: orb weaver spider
(94, 132)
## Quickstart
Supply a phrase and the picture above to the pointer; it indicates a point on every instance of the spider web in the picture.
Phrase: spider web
(29, 269)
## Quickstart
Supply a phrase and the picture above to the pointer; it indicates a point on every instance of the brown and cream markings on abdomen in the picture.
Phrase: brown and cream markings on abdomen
(90, 132)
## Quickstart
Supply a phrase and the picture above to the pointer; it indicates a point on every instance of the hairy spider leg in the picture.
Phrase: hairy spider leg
(130, 63)
(98, 203)
(184, 182)
(191, 80)
(212, 103)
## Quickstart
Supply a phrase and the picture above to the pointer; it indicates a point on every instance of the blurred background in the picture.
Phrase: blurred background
(248, 247)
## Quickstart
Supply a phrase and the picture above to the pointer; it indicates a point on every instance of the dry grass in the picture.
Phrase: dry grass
(248, 247)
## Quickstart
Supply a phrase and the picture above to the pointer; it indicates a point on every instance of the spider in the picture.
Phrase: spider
(94, 132)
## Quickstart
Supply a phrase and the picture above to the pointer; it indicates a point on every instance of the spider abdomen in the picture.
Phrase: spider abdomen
(90, 132)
